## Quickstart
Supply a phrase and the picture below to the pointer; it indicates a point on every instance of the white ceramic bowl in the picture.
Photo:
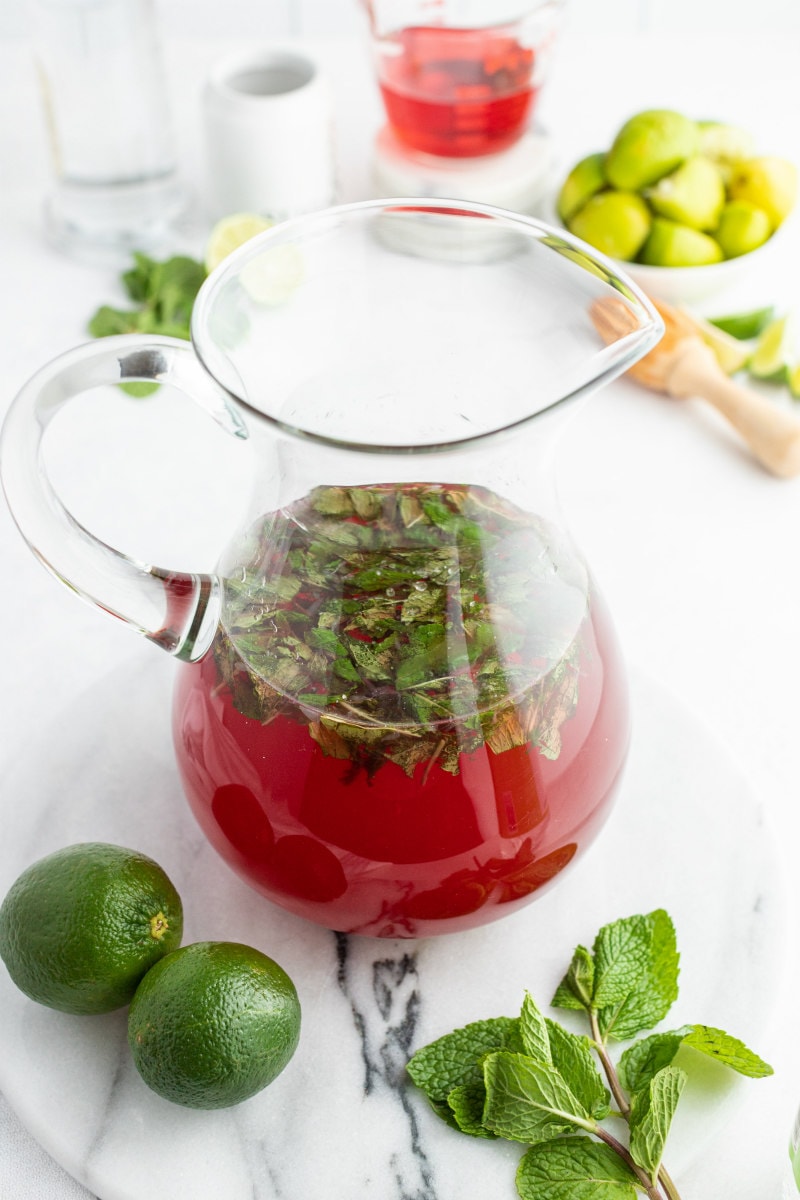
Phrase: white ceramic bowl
(690, 285)
(695, 285)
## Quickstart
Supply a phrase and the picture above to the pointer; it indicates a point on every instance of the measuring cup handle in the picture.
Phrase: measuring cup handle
(176, 610)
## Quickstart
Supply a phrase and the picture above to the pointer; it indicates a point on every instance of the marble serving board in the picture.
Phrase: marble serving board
(342, 1122)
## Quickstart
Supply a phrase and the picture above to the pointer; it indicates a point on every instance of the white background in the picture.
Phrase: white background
(318, 18)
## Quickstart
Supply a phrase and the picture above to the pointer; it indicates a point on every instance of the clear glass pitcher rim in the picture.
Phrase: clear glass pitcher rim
(619, 356)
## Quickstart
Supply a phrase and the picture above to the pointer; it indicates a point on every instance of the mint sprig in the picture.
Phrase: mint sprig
(163, 293)
(528, 1079)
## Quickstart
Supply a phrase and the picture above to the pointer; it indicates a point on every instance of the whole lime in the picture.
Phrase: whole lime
(768, 182)
(650, 144)
(616, 223)
(79, 928)
(212, 1024)
(584, 180)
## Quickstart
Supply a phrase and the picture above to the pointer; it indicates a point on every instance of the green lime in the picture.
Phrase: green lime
(745, 325)
(671, 244)
(742, 227)
(79, 928)
(768, 182)
(731, 354)
(616, 223)
(725, 144)
(230, 233)
(648, 146)
(212, 1024)
(693, 194)
(794, 388)
(584, 180)
(772, 355)
(273, 275)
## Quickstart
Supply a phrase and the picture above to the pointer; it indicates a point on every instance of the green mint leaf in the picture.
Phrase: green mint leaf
(108, 321)
(455, 1060)
(165, 293)
(138, 280)
(576, 988)
(174, 285)
(533, 1030)
(621, 952)
(644, 952)
(529, 1101)
(645, 1058)
(466, 1104)
(574, 1168)
(651, 1115)
(727, 1050)
(572, 1056)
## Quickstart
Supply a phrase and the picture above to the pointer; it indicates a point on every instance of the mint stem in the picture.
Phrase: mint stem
(670, 1191)
(647, 1184)
(608, 1067)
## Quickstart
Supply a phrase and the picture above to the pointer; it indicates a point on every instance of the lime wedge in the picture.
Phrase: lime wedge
(230, 233)
(773, 353)
(794, 382)
(731, 354)
(745, 325)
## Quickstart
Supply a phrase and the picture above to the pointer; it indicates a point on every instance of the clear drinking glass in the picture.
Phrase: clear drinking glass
(107, 114)
(461, 78)
(402, 709)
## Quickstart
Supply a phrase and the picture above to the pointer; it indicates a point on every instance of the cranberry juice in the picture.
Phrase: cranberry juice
(456, 92)
(420, 759)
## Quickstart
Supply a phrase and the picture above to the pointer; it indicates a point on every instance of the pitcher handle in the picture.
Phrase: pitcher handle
(176, 610)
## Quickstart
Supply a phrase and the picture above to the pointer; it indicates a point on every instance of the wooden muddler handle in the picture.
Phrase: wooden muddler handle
(772, 433)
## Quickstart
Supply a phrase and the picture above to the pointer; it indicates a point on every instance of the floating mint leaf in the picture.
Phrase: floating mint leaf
(576, 988)
(455, 1060)
(652, 990)
(574, 1168)
(533, 1030)
(529, 1101)
(651, 1115)
(727, 1050)
(645, 1058)
(409, 597)
(572, 1056)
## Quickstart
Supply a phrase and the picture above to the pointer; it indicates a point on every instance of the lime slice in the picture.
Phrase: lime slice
(745, 325)
(230, 233)
(272, 276)
(772, 355)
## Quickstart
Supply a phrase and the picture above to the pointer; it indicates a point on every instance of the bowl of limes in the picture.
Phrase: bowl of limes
(687, 207)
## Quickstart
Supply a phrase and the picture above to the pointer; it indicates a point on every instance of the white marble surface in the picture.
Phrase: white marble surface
(104, 771)
(696, 549)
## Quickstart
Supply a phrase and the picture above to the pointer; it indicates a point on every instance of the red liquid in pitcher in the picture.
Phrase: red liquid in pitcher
(457, 92)
(402, 828)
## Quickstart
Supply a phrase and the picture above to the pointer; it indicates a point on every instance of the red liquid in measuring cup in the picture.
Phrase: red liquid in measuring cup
(456, 92)
(408, 829)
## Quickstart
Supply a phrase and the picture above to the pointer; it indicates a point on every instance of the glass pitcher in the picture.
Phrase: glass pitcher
(401, 708)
